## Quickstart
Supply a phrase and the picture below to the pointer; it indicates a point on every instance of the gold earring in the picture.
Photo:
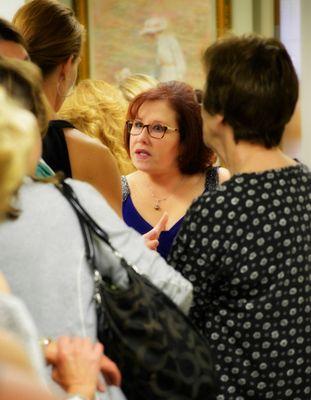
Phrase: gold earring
(58, 89)
(69, 92)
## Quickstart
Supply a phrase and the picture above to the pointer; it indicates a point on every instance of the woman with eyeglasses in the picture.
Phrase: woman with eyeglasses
(163, 136)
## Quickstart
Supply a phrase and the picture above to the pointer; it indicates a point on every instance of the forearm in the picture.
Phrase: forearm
(150, 264)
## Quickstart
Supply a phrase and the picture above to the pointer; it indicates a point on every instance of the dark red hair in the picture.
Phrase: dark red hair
(194, 156)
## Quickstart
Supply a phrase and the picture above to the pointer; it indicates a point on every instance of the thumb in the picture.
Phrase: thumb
(111, 371)
(154, 233)
(152, 244)
(161, 225)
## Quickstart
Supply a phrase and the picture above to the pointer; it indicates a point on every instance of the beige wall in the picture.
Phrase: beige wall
(305, 87)
(295, 31)
(9, 7)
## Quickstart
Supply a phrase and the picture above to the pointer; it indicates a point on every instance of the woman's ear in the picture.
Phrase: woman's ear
(65, 67)
(220, 120)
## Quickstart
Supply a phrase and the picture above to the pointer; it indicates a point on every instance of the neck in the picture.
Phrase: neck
(50, 90)
(244, 157)
(253, 158)
(163, 186)
(165, 180)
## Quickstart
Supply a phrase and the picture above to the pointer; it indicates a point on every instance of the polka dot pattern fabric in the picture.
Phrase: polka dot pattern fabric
(246, 248)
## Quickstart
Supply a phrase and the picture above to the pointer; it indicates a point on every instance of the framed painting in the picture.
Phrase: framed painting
(162, 38)
(80, 8)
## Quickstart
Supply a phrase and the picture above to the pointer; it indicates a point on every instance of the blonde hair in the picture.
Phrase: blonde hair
(51, 31)
(98, 109)
(13, 353)
(23, 82)
(18, 131)
(135, 84)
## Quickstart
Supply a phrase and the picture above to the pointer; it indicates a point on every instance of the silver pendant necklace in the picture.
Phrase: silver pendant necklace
(156, 205)
(157, 202)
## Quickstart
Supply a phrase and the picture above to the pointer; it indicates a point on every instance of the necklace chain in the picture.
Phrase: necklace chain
(157, 202)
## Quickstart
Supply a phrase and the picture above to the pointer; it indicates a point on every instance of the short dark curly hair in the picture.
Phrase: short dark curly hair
(194, 156)
(252, 83)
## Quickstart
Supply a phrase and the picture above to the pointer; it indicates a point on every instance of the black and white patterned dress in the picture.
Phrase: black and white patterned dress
(247, 250)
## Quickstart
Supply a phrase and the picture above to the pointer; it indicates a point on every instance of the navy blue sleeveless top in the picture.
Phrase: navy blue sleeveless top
(133, 219)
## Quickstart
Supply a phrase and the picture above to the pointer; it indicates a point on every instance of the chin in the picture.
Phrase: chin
(143, 168)
(207, 141)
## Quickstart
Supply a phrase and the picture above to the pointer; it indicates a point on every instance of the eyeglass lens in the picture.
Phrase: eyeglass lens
(155, 130)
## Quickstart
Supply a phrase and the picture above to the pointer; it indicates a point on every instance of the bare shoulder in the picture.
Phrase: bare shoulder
(223, 175)
(77, 137)
(87, 150)
(92, 162)
(133, 177)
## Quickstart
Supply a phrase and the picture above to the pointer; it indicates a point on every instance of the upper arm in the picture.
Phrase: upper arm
(223, 175)
(189, 244)
(93, 162)
(179, 251)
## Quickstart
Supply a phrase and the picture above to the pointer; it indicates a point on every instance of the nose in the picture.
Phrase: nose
(144, 134)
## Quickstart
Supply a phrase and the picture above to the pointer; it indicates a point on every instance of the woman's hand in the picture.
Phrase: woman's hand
(151, 237)
(76, 364)
(108, 368)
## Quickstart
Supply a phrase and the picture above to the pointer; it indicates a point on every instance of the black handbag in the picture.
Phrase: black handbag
(160, 353)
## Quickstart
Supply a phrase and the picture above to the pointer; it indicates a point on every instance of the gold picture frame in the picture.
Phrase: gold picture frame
(81, 8)
(223, 17)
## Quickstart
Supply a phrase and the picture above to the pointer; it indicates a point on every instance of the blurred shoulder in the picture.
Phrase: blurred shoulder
(223, 175)
(206, 204)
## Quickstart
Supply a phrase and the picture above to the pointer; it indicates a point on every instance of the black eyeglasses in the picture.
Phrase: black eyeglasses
(156, 130)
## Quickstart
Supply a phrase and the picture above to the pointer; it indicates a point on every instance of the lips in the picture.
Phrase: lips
(142, 153)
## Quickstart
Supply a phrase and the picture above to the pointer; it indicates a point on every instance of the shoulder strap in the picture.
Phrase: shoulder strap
(211, 179)
(61, 124)
(88, 225)
(54, 147)
(125, 188)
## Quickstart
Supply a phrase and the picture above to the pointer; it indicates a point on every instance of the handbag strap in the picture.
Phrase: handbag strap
(90, 228)
(88, 225)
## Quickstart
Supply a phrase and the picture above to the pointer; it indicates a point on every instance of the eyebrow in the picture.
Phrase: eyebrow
(153, 122)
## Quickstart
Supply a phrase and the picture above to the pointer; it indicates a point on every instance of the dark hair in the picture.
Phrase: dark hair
(194, 156)
(51, 31)
(199, 95)
(10, 33)
(252, 83)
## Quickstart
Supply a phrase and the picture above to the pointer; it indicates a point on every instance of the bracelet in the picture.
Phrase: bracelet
(76, 396)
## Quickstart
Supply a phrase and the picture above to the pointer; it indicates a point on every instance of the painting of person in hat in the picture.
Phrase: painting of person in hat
(170, 58)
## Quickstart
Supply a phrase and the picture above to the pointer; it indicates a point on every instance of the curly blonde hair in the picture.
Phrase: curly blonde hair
(134, 84)
(18, 130)
(99, 110)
